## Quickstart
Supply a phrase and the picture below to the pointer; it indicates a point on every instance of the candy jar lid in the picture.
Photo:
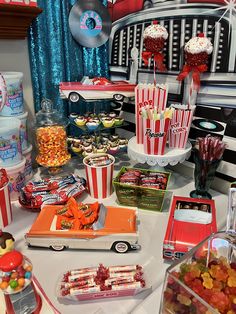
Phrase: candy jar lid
(15, 272)
(49, 116)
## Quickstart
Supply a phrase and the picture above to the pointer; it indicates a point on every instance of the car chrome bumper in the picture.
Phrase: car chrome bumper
(135, 246)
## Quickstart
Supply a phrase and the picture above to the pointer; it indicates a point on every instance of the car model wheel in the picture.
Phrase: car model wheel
(118, 97)
(147, 4)
(74, 97)
(58, 247)
(121, 247)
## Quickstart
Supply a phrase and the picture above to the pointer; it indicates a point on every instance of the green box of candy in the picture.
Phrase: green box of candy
(141, 188)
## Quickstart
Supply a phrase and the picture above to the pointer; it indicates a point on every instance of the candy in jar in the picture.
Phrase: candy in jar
(17, 285)
(51, 137)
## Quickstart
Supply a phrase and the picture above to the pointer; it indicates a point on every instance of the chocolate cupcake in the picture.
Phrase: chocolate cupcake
(112, 115)
(73, 115)
(80, 120)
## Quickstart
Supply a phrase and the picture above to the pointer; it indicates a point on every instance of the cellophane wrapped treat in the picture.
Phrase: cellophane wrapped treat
(102, 282)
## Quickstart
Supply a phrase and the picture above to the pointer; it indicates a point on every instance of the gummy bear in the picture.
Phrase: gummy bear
(219, 301)
(207, 280)
(184, 300)
(219, 272)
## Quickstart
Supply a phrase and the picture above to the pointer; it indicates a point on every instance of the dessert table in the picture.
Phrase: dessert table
(49, 265)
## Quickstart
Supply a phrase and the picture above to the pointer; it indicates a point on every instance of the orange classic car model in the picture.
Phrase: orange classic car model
(85, 226)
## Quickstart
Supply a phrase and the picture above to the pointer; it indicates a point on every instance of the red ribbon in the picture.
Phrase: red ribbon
(196, 71)
(158, 59)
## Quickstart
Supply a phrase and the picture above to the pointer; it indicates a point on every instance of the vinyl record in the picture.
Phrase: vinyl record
(90, 23)
(208, 125)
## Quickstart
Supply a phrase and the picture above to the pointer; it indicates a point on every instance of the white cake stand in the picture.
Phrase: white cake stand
(171, 157)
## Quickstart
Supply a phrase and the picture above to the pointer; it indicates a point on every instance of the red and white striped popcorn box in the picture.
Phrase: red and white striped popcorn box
(99, 178)
(155, 136)
(5, 207)
(180, 126)
(29, 3)
(148, 95)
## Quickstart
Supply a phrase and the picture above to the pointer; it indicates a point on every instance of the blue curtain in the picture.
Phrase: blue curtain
(55, 56)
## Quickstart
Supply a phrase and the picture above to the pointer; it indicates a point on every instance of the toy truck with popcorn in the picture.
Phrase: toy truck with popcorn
(90, 226)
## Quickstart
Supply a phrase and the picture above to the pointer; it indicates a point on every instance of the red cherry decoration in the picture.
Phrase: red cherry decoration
(10, 261)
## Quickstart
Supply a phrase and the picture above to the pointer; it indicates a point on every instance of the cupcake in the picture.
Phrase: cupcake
(73, 115)
(102, 115)
(112, 115)
(70, 140)
(87, 152)
(101, 148)
(108, 122)
(123, 141)
(86, 145)
(154, 37)
(113, 148)
(114, 137)
(197, 50)
(119, 121)
(92, 125)
(76, 147)
(80, 120)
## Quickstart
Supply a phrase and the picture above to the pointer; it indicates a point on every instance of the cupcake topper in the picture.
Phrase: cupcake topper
(197, 51)
(154, 39)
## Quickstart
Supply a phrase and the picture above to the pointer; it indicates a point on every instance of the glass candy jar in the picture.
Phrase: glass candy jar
(51, 137)
(16, 284)
(204, 279)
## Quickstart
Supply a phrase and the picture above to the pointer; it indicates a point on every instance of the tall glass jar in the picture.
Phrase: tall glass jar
(51, 137)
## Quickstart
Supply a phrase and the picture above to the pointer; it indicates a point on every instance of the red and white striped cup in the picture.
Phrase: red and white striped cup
(155, 135)
(180, 127)
(99, 178)
(148, 95)
(5, 207)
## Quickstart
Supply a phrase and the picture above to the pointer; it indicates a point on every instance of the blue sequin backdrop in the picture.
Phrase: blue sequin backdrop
(55, 56)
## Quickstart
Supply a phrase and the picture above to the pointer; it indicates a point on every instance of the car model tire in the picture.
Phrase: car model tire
(74, 97)
(121, 247)
(147, 4)
(57, 247)
(118, 97)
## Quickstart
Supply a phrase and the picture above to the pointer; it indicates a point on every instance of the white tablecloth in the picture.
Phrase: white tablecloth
(49, 265)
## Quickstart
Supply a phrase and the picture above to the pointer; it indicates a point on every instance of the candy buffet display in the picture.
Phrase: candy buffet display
(17, 285)
(85, 226)
(142, 188)
(56, 190)
(101, 282)
(6, 242)
(51, 137)
(186, 214)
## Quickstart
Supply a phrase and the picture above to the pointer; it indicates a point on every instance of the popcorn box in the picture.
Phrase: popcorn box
(155, 135)
(180, 126)
(197, 215)
(138, 196)
(151, 96)
(30, 3)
